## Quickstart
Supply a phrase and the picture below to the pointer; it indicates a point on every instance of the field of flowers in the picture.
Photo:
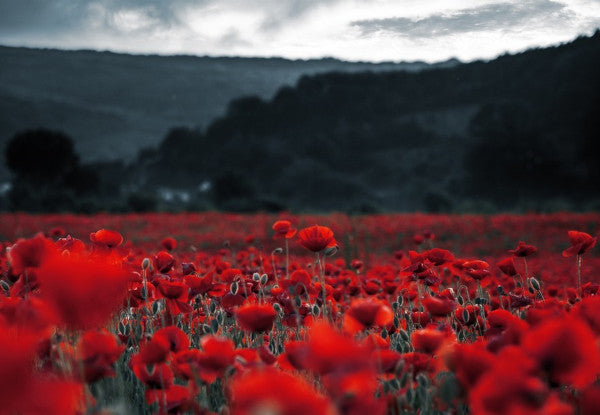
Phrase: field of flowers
(282, 314)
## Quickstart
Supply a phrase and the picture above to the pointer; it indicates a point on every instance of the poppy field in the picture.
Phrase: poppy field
(289, 314)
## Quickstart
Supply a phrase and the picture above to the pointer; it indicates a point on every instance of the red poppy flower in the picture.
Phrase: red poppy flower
(317, 238)
(169, 243)
(16, 365)
(507, 266)
(158, 376)
(588, 310)
(509, 387)
(175, 338)
(439, 306)
(523, 250)
(83, 290)
(363, 314)
(28, 253)
(272, 391)
(329, 351)
(469, 362)
(581, 242)
(427, 340)
(97, 352)
(50, 395)
(173, 290)
(566, 350)
(284, 229)
(438, 256)
(256, 317)
(588, 401)
(156, 350)
(218, 355)
(476, 269)
(106, 238)
(504, 329)
(175, 399)
(163, 261)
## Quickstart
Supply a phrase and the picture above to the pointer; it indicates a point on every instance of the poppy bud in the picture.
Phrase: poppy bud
(404, 335)
(264, 278)
(316, 310)
(465, 315)
(534, 283)
(156, 307)
(256, 277)
(330, 250)
(277, 307)
(500, 290)
(234, 287)
(214, 325)
(278, 250)
(145, 263)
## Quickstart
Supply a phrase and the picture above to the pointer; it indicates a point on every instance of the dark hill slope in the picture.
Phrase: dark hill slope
(519, 128)
(114, 104)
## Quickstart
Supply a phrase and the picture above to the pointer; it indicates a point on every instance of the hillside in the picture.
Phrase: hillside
(517, 131)
(114, 104)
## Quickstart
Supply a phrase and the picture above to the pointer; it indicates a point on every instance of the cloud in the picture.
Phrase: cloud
(279, 13)
(503, 16)
(58, 17)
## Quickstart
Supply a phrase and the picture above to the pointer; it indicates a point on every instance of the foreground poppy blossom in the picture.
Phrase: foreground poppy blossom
(97, 353)
(209, 364)
(364, 314)
(83, 290)
(439, 306)
(427, 340)
(106, 238)
(507, 266)
(256, 317)
(566, 350)
(269, 391)
(163, 261)
(28, 253)
(581, 242)
(511, 386)
(16, 365)
(284, 229)
(317, 238)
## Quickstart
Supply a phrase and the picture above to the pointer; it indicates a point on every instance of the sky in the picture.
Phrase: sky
(357, 30)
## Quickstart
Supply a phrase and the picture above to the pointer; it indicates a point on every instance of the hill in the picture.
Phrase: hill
(517, 131)
(115, 104)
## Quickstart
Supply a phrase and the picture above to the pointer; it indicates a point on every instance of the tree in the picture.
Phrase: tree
(41, 156)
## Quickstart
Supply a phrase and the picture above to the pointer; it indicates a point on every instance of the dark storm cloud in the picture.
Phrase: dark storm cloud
(489, 17)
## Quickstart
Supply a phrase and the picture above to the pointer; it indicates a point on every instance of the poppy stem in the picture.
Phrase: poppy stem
(579, 276)
(526, 271)
(321, 262)
(287, 260)
(274, 267)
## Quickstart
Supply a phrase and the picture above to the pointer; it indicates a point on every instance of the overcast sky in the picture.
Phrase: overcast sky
(371, 30)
